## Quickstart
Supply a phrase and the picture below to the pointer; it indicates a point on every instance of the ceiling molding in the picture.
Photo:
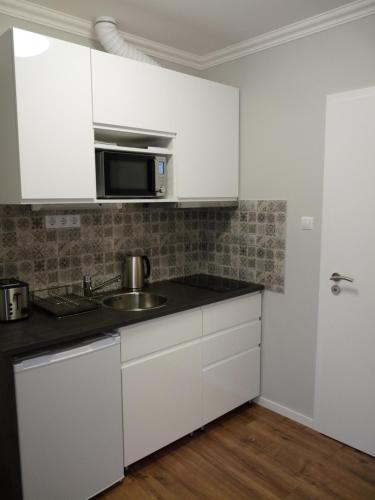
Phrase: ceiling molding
(316, 24)
(28, 11)
(34, 13)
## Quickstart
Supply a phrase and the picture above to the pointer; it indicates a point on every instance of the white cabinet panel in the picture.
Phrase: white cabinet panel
(162, 400)
(207, 143)
(230, 383)
(54, 113)
(230, 342)
(158, 334)
(230, 313)
(132, 94)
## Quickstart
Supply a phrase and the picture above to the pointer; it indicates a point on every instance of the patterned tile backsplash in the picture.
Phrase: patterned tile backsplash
(246, 243)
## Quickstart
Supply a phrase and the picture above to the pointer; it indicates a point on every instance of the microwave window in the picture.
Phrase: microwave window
(127, 175)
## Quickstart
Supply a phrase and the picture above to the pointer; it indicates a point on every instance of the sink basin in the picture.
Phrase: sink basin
(135, 301)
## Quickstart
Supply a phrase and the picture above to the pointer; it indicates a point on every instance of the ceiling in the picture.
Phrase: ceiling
(196, 26)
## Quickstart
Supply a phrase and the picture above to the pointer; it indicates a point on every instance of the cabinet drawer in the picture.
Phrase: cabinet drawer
(230, 342)
(155, 335)
(230, 383)
(231, 313)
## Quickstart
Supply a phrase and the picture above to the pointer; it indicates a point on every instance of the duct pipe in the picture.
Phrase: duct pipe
(111, 40)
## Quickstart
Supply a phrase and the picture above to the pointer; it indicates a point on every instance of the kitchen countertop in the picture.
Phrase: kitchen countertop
(41, 330)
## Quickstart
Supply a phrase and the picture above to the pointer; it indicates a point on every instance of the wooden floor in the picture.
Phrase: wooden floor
(251, 453)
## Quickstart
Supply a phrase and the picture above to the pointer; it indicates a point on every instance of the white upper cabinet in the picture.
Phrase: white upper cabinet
(54, 93)
(132, 94)
(203, 114)
(47, 136)
(207, 142)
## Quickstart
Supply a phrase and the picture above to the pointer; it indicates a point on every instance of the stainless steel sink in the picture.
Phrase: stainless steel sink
(135, 301)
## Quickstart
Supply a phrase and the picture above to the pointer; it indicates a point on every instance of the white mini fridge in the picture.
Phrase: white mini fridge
(70, 420)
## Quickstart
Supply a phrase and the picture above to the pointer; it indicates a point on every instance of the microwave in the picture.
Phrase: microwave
(121, 174)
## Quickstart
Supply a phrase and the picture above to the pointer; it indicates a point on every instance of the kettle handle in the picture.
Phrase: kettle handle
(146, 261)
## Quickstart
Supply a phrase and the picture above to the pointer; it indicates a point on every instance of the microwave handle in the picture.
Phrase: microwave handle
(147, 264)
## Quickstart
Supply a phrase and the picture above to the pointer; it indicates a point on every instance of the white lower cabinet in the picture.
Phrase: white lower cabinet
(230, 383)
(187, 369)
(162, 400)
(230, 354)
(161, 382)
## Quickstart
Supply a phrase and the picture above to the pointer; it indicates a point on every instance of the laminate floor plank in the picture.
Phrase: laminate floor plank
(251, 453)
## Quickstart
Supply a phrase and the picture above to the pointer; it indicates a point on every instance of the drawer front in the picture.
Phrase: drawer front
(162, 400)
(231, 313)
(230, 383)
(230, 342)
(155, 335)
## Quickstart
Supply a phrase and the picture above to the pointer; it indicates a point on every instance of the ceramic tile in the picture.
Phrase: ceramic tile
(244, 243)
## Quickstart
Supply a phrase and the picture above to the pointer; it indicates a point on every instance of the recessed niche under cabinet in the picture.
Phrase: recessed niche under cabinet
(123, 139)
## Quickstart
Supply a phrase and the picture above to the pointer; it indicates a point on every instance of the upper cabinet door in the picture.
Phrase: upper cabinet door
(132, 94)
(54, 114)
(207, 142)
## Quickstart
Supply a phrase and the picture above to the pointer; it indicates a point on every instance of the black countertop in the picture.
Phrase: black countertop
(42, 330)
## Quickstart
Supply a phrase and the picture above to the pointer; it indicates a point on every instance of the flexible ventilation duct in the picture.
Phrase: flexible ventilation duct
(112, 41)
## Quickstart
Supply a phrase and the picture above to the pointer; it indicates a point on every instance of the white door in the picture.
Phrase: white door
(345, 377)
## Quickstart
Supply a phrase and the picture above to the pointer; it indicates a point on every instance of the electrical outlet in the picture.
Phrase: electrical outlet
(51, 221)
(75, 221)
(62, 221)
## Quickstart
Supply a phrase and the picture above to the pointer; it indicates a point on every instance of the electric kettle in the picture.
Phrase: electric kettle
(136, 270)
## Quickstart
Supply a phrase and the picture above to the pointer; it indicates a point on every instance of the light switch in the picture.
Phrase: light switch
(307, 223)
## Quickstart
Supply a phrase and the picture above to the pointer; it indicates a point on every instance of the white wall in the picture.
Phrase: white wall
(283, 94)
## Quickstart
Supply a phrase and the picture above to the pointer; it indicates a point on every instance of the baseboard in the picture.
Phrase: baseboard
(285, 411)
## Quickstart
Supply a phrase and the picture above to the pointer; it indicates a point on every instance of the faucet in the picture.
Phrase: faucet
(89, 290)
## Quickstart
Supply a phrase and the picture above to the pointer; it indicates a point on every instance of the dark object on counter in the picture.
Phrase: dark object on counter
(62, 301)
(14, 299)
(209, 282)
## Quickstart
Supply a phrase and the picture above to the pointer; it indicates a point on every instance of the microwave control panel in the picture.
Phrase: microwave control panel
(160, 176)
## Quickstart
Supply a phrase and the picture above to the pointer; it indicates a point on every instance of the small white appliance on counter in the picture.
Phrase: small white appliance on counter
(70, 420)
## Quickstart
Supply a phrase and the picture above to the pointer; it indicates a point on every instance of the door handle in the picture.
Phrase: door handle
(336, 277)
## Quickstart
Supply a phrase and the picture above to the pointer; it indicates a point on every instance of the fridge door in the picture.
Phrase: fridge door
(69, 420)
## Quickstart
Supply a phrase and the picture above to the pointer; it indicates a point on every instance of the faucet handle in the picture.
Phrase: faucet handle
(87, 285)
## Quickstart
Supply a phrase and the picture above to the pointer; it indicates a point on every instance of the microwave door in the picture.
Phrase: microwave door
(128, 176)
